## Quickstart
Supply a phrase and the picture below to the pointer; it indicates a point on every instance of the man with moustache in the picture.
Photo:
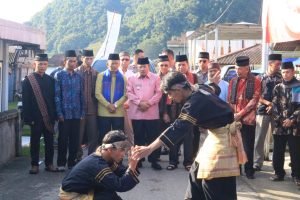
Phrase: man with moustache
(39, 112)
(264, 120)
(88, 125)
(70, 104)
(143, 92)
(111, 95)
(202, 72)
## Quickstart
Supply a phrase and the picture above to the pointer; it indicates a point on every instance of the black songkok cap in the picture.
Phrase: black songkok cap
(113, 56)
(242, 61)
(143, 61)
(41, 57)
(203, 55)
(70, 53)
(163, 58)
(275, 57)
(181, 58)
(287, 65)
(87, 53)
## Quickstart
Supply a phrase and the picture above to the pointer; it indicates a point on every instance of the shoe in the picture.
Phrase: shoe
(156, 166)
(188, 167)
(51, 168)
(277, 178)
(171, 167)
(257, 168)
(61, 169)
(164, 151)
(296, 181)
(34, 169)
(250, 176)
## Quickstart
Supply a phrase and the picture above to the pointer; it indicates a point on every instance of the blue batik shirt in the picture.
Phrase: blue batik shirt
(69, 97)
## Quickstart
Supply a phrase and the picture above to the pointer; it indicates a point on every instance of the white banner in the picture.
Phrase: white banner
(110, 42)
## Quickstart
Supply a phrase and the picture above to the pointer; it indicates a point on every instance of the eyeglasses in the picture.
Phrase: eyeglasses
(204, 61)
(125, 59)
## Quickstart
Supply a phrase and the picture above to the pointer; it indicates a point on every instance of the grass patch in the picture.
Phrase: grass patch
(26, 130)
(26, 150)
(13, 105)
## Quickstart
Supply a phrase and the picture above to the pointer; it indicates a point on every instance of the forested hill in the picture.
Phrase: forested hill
(146, 24)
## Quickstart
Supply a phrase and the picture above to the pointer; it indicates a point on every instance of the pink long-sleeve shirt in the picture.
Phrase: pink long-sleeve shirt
(143, 89)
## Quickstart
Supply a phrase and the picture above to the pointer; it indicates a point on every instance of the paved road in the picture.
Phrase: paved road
(16, 184)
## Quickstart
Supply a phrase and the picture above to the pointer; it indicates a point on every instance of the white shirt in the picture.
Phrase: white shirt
(127, 74)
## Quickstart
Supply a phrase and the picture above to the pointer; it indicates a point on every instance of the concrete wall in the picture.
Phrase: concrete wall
(10, 135)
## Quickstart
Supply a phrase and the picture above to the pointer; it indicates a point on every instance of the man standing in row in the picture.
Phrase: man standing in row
(214, 76)
(111, 94)
(243, 96)
(203, 67)
(190, 143)
(286, 111)
(264, 120)
(69, 100)
(125, 61)
(88, 125)
(143, 91)
(39, 112)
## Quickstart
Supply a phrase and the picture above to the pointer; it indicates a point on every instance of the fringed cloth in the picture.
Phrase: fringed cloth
(221, 153)
(75, 196)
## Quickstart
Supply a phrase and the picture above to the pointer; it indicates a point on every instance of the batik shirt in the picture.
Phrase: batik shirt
(267, 86)
(69, 97)
(285, 108)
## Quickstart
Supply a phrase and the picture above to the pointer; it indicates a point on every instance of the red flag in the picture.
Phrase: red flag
(282, 18)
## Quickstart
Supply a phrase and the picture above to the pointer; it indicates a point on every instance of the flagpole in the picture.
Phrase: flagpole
(265, 45)
(109, 31)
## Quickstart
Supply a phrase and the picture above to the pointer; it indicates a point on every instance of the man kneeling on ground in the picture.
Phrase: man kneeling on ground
(101, 174)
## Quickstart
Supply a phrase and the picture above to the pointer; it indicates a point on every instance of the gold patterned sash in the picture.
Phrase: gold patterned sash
(41, 102)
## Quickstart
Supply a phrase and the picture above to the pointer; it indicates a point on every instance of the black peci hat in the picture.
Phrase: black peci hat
(41, 57)
(143, 61)
(163, 58)
(181, 58)
(113, 56)
(70, 53)
(287, 65)
(242, 61)
(87, 53)
(203, 55)
(275, 56)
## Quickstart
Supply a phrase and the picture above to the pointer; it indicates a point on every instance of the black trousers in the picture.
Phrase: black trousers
(145, 132)
(223, 188)
(68, 139)
(280, 142)
(196, 141)
(248, 137)
(107, 124)
(187, 150)
(37, 130)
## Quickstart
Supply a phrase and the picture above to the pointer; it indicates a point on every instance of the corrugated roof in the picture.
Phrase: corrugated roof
(253, 52)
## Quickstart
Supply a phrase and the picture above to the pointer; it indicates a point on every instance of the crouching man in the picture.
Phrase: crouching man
(100, 175)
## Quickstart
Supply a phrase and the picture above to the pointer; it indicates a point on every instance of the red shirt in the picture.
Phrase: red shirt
(243, 106)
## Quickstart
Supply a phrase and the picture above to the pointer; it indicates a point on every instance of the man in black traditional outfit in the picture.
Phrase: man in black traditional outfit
(101, 174)
(212, 175)
(39, 112)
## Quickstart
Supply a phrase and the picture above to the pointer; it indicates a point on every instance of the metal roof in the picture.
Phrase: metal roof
(253, 52)
(19, 34)
(228, 31)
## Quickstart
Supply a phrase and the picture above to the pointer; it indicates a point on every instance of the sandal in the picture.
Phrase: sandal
(51, 168)
(188, 167)
(171, 167)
